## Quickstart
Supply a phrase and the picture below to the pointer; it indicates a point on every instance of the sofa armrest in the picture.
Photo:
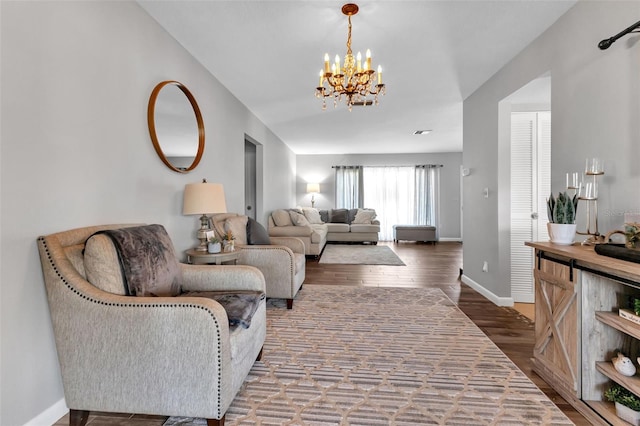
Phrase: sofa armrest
(290, 231)
(295, 244)
(375, 222)
(221, 278)
(277, 264)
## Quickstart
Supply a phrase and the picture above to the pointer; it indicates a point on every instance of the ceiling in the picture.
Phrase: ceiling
(433, 54)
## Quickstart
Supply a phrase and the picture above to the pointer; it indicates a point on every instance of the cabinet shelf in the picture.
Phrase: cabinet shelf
(614, 320)
(632, 383)
(608, 412)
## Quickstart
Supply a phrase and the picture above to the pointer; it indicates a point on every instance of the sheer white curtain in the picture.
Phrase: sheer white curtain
(391, 192)
(427, 187)
(402, 195)
(349, 185)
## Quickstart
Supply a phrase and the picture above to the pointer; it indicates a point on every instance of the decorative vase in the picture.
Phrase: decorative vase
(562, 233)
(229, 246)
(627, 414)
(214, 248)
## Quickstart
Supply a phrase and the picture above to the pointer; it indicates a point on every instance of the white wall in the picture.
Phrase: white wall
(76, 79)
(317, 168)
(595, 105)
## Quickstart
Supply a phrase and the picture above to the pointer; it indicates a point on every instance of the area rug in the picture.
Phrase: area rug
(383, 356)
(359, 255)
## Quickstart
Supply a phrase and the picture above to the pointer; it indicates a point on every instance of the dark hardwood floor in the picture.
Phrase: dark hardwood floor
(427, 265)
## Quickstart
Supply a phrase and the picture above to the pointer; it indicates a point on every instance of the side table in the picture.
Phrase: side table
(204, 258)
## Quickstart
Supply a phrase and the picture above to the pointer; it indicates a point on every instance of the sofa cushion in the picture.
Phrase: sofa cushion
(339, 216)
(338, 227)
(364, 216)
(312, 215)
(146, 262)
(237, 225)
(256, 233)
(281, 218)
(298, 219)
(365, 227)
(318, 233)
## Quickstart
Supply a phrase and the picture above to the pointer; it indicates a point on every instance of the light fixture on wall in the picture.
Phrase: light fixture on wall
(313, 188)
(203, 199)
(354, 80)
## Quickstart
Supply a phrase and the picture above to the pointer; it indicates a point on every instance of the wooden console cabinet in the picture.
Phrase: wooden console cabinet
(577, 327)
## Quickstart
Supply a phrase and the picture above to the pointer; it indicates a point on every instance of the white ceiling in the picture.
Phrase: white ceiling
(433, 54)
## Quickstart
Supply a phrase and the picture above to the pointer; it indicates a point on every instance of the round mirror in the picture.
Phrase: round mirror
(176, 126)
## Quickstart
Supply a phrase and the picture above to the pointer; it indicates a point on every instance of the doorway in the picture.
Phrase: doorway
(530, 180)
(250, 181)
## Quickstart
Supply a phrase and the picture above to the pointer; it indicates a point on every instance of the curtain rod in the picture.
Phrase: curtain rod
(411, 165)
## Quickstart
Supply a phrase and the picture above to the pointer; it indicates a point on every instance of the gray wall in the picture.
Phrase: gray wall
(595, 105)
(317, 168)
(75, 151)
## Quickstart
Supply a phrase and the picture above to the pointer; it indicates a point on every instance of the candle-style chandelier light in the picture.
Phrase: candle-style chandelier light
(354, 80)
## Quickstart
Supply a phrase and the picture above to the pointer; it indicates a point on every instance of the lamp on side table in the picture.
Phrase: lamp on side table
(203, 199)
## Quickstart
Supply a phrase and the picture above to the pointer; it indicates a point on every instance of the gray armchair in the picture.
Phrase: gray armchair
(148, 355)
(282, 261)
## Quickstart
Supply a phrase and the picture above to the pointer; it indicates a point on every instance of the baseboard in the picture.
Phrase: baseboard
(51, 415)
(450, 239)
(497, 300)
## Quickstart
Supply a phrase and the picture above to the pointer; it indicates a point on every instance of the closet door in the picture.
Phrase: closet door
(530, 187)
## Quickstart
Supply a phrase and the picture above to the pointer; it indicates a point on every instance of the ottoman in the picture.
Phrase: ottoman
(424, 233)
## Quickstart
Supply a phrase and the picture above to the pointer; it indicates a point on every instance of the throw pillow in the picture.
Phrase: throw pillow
(339, 216)
(256, 233)
(352, 215)
(298, 219)
(324, 215)
(237, 225)
(312, 215)
(364, 216)
(102, 265)
(281, 218)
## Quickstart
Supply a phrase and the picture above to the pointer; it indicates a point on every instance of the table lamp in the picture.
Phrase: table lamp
(313, 188)
(203, 199)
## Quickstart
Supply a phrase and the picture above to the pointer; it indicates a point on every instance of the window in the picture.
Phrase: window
(402, 195)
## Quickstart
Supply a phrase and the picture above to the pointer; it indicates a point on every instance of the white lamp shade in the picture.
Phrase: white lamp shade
(204, 198)
(313, 188)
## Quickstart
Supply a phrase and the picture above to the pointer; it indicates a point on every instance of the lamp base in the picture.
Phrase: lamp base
(202, 234)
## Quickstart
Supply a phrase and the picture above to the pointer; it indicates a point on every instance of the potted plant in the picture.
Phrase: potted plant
(228, 242)
(627, 403)
(214, 245)
(562, 218)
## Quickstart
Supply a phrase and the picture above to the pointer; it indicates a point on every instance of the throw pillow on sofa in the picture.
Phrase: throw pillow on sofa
(339, 216)
(298, 219)
(364, 216)
(281, 218)
(312, 215)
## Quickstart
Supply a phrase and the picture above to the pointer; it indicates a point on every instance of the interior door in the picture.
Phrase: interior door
(250, 156)
(530, 187)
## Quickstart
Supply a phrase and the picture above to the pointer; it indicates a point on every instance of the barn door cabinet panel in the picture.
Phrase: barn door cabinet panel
(578, 329)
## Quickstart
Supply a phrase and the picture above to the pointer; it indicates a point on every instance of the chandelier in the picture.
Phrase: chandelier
(354, 80)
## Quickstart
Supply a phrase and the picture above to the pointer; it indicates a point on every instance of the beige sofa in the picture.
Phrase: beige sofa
(169, 355)
(317, 227)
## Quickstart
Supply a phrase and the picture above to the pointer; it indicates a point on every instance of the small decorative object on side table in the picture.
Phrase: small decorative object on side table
(199, 258)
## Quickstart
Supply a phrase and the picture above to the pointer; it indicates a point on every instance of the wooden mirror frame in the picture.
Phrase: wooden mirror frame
(152, 126)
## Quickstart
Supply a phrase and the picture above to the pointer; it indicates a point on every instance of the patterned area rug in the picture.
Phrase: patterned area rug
(359, 255)
(383, 356)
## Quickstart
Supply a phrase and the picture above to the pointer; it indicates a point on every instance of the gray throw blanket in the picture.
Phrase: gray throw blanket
(147, 260)
(239, 305)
